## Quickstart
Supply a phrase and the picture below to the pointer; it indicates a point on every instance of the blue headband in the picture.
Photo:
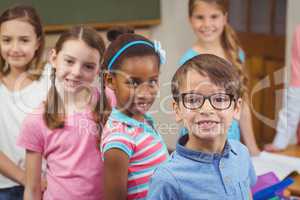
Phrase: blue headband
(157, 49)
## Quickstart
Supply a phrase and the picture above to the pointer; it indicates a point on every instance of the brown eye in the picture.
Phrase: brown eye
(200, 17)
(69, 61)
(220, 99)
(24, 40)
(215, 16)
(90, 67)
(192, 98)
(133, 83)
(153, 83)
(6, 40)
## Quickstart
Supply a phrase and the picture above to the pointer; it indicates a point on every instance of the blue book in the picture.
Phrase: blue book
(272, 191)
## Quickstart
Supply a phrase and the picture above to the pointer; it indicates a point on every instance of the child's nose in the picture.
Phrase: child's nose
(76, 71)
(206, 22)
(206, 107)
(144, 90)
(15, 46)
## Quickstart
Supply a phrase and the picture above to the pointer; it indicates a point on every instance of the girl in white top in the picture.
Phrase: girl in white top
(23, 86)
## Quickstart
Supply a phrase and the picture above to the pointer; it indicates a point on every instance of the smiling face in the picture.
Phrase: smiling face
(208, 22)
(18, 43)
(206, 122)
(77, 65)
(136, 84)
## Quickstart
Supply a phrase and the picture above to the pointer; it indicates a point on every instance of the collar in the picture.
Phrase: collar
(201, 156)
(117, 115)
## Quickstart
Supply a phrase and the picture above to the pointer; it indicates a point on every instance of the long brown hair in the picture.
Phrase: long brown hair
(54, 114)
(229, 39)
(27, 14)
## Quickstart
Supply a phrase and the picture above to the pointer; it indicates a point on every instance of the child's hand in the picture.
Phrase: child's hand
(271, 148)
(254, 151)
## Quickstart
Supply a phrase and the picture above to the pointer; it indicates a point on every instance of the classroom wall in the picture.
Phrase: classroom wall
(176, 37)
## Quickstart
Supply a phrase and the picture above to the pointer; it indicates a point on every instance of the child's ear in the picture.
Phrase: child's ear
(226, 18)
(237, 109)
(38, 44)
(52, 57)
(109, 80)
(98, 70)
(177, 111)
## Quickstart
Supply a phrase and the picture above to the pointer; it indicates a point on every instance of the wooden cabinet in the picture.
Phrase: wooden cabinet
(261, 29)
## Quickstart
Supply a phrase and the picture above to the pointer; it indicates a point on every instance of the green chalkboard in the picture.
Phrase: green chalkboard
(59, 14)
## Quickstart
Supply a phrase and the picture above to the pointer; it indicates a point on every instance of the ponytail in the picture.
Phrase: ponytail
(54, 110)
(232, 49)
(102, 109)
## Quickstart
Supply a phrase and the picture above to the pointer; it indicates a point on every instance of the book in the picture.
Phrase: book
(281, 165)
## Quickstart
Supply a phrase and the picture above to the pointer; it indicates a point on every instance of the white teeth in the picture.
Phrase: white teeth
(72, 82)
(207, 122)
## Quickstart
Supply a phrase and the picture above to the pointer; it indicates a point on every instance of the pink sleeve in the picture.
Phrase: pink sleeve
(295, 61)
(31, 136)
(111, 96)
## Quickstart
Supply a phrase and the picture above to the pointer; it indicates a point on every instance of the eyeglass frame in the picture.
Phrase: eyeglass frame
(182, 95)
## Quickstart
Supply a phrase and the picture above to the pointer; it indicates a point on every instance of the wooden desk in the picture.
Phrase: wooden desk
(293, 150)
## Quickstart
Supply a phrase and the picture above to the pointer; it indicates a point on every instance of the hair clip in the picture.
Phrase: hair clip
(161, 52)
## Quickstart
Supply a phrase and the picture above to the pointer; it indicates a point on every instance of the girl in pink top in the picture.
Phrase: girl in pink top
(65, 131)
(289, 116)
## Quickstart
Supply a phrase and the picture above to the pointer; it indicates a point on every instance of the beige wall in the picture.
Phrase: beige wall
(176, 37)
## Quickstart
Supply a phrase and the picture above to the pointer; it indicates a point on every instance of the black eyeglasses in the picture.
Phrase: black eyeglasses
(219, 101)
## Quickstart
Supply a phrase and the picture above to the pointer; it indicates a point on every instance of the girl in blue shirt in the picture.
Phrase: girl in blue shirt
(208, 19)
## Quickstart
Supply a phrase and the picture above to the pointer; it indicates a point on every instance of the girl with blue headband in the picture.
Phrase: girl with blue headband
(131, 146)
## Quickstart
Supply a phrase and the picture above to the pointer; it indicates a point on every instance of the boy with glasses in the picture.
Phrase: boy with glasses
(206, 165)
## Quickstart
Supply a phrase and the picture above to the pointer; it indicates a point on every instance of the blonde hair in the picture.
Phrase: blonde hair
(229, 39)
(29, 15)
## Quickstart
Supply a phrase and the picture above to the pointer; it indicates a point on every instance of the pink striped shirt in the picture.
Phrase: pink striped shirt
(143, 145)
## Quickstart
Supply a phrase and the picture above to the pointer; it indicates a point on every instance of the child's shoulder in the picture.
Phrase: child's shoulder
(35, 118)
(112, 126)
(190, 53)
(238, 147)
(165, 171)
(174, 163)
(117, 129)
(297, 30)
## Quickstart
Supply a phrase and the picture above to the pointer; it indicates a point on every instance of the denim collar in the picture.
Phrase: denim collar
(201, 156)
(117, 115)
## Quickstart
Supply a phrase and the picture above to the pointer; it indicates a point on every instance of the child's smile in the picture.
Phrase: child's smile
(136, 85)
(207, 125)
(75, 69)
(18, 45)
(205, 109)
(208, 21)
